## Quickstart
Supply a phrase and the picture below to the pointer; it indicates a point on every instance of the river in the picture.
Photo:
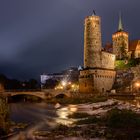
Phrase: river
(43, 116)
(39, 116)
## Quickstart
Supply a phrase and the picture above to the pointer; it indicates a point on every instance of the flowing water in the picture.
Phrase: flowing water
(38, 116)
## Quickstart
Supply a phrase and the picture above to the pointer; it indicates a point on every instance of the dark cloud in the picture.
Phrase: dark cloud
(39, 36)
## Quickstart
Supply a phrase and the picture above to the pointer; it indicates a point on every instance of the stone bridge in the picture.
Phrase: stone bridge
(44, 94)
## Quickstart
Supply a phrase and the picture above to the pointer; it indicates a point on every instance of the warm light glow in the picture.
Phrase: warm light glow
(72, 86)
(137, 84)
(63, 114)
(64, 83)
(58, 87)
(72, 108)
(69, 83)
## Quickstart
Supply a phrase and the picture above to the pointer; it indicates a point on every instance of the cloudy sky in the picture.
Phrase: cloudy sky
(39, 36)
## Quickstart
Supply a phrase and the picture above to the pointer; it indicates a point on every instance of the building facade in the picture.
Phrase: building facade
(120, 41)
(121, 46)
(134, 49)
(69, 75)
(98, 74)
(92, 42)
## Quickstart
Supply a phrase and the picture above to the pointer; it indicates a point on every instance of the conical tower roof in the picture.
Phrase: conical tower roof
(120, 26)
(94, 13)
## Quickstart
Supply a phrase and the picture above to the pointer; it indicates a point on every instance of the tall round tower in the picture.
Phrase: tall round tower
(92, 42)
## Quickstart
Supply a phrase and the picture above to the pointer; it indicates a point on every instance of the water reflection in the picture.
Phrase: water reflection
(136, 103)
(63, 114)
(43, 116)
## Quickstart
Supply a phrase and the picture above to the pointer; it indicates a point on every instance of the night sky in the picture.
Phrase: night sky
(38, 36)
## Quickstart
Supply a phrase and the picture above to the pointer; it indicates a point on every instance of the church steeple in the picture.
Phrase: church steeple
(120, 27)
(94, 13)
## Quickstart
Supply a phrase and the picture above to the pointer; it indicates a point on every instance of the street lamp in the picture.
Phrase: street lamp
(64, 83)
(137, 85)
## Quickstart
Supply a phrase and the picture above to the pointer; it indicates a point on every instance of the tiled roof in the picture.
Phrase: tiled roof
(133, 44)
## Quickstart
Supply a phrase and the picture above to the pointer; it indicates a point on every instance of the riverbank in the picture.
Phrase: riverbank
(82, 121)
(112, 119)
(78, 100)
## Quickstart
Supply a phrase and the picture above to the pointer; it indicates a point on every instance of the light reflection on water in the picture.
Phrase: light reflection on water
(45, 116)
(136, 103)
(40, 116)
(63, 114)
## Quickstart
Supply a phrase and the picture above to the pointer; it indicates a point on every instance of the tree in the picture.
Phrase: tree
(3, 79)
(33, 84)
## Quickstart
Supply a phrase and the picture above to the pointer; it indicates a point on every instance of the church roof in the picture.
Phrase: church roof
(133, 44)
(120, 26)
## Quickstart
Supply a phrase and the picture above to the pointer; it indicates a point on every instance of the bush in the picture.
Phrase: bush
(122, 119)
(133, 62)
(120, 64)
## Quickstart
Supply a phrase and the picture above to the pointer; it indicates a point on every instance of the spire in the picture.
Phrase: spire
(120, 27)
(94, 13)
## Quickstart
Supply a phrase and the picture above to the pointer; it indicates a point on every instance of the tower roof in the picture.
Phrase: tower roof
(94, 13)
(120, 27)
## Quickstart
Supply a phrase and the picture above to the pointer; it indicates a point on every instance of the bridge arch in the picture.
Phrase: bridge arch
(36, 94)
(60, 95)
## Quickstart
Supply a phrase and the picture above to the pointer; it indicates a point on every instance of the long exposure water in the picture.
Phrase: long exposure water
(38, 116)
(43, 116)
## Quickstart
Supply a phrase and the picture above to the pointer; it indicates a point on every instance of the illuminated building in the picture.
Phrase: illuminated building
(69, 75)
(120, 39)
(92, 42)
(98, 73)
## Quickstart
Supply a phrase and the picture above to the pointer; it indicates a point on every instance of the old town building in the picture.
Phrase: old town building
(98, 74)
(121, 45)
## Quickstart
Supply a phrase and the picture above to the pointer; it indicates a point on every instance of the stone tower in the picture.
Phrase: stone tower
(120, 41)
(98, 74)
(92, 42)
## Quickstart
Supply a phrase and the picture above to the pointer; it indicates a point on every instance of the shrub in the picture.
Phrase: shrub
(122, 119)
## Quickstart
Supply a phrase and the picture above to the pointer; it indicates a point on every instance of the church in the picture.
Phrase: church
(121, 45)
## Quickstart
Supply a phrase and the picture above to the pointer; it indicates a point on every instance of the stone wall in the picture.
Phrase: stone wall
(104, 80)
(92, 42)
(96, 80)
(108, 60)
(86, 82)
